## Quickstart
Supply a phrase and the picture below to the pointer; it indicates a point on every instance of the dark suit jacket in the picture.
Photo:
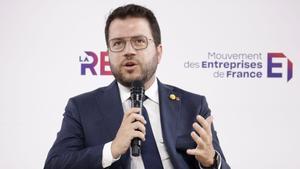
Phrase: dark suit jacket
(93, 119)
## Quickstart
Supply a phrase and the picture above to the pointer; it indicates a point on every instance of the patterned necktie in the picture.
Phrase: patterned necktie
(149, 151)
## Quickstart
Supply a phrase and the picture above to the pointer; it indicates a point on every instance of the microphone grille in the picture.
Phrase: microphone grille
(137, 84)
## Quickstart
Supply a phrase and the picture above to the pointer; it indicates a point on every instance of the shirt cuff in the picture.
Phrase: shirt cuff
(107, 158)
(219, 162)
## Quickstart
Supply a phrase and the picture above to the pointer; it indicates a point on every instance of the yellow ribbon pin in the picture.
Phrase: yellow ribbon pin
(174, 97)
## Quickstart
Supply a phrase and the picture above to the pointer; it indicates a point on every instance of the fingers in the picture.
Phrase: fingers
(204, 135)
(132, 115)
(136, 117)
(139, 126)
(132, 126)
(193, 152)
(205, 123)
(130, 111)
(138, 134)
(204, 157)
(199, 141)
(136, 123)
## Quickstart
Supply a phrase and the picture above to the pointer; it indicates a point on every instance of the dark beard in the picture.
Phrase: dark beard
(146, 75)
(128, 83)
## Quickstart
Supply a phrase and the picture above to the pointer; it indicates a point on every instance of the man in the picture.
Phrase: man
(98, 127)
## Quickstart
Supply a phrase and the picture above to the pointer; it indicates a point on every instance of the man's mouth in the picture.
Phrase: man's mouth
(130, 65)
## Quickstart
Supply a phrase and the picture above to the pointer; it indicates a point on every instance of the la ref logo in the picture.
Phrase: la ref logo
(90, 62)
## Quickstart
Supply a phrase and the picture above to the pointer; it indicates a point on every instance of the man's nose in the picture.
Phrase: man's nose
(129, 50)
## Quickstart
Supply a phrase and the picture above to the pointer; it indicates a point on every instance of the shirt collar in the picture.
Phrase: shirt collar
(151, 92)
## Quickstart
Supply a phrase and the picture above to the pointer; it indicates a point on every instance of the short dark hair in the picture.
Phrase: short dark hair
(133, 10)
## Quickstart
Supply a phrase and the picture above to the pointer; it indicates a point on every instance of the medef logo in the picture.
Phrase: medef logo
(274, 65)
(90, 62)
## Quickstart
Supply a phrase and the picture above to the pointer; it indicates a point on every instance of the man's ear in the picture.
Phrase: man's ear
(159, 52)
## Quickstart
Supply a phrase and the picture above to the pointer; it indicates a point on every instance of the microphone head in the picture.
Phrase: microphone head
(137, 84)
(137, 87)
(137, 93)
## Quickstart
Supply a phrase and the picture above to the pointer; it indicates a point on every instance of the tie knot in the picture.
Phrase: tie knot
(145, 98)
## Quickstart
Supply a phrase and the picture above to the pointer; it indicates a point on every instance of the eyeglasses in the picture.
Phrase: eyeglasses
(137, 42)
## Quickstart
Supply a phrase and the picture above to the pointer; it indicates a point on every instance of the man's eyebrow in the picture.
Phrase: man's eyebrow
(121, 38)
(117, 38)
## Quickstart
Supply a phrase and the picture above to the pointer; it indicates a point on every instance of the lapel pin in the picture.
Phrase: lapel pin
(174, 97)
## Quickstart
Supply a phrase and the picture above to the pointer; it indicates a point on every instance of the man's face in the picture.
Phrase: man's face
(131, 64)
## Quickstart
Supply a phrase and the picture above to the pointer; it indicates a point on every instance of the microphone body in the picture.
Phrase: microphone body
(136, 95)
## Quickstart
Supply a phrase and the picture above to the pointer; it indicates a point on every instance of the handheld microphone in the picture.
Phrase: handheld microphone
(136, 95)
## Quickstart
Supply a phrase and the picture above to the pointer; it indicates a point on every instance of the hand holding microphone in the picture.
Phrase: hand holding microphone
(132, 129)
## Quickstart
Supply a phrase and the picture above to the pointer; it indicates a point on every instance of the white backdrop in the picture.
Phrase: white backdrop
(257, 119)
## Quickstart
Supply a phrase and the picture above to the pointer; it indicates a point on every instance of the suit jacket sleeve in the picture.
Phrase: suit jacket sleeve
(69, 150)
(205, 112)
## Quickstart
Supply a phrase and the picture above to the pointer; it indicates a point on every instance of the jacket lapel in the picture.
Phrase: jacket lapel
(113, 113)
(169, 110)
(111, 107)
